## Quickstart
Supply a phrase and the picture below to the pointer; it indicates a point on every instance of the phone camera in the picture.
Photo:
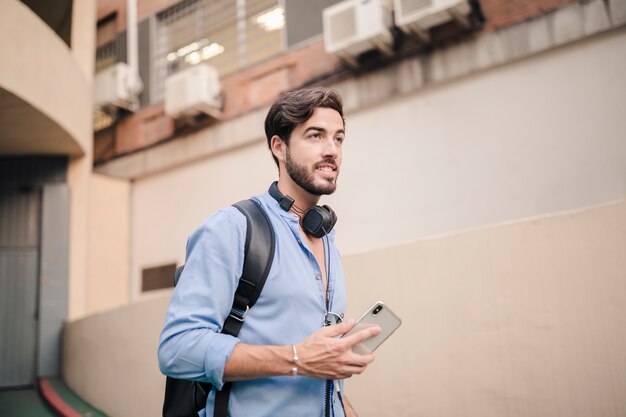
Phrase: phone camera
(377, 309)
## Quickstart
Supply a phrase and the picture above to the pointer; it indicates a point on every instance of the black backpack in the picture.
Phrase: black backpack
(185, 398)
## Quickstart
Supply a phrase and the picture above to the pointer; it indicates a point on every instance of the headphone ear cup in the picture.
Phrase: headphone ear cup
(332, 218)
(318, 220)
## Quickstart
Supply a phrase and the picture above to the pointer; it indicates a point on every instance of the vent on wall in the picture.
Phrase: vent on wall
(352, 27)
(157, 277)
(418, 16)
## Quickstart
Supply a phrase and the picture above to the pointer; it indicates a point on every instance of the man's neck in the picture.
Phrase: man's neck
(302, 198)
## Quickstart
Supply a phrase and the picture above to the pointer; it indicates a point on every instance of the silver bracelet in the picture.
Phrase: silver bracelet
(294, 370)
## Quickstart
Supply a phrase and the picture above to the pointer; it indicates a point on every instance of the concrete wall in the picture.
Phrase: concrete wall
(521, 319)
(42, 73)
(525, 319)
(108, 250)
(538, 136)
(119, 375)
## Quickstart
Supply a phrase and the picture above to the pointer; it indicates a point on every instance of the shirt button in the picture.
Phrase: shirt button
(318, 277)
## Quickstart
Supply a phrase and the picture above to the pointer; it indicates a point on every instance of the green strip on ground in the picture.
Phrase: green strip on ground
(23, 403)
(73, 400)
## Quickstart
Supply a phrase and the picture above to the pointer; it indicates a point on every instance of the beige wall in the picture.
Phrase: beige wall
(119, 374)
(108, 249)
(167, 208)
(525, 319)
(521, 319)
(79, 175)
(48, 76)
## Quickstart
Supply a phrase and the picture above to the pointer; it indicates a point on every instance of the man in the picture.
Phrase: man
(282, 357)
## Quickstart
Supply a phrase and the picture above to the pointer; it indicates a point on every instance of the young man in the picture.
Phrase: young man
(305, 132)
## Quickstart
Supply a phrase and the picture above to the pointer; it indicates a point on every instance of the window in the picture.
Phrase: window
(106, 36)
(227, 34)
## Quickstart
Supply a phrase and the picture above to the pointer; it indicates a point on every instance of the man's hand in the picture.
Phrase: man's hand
(325, 356)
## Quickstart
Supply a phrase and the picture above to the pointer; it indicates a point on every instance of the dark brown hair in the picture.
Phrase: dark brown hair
(295, 107)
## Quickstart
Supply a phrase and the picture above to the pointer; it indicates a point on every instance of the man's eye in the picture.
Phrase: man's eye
(316, 135)
(339, 140)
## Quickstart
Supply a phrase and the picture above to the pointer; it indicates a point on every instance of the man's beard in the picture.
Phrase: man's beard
(305, 179)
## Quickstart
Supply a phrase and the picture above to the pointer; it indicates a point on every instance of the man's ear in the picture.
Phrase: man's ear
(279, 148)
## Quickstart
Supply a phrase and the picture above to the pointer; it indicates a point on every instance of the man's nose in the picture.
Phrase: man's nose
(331, 149)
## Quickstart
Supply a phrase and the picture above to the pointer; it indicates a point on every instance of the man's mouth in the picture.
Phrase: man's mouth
(326, 167)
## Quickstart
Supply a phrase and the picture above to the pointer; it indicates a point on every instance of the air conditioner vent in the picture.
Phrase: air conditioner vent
(343, 25)
(418, 16)
(412, 6)
(352, 27)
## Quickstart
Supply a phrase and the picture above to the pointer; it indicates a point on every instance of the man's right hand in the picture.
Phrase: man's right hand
(325, 356)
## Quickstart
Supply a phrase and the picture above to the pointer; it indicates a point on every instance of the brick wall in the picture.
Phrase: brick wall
(259, 84)
(503, 13)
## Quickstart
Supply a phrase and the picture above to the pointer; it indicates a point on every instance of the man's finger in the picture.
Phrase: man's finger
(339, 329)
(362, 335)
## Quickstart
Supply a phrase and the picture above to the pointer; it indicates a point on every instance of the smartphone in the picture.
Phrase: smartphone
(377, 315)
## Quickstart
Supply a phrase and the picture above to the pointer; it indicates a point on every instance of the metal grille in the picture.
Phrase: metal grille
(106, 55)
(343, 25)
(414, 6)
(224, 33)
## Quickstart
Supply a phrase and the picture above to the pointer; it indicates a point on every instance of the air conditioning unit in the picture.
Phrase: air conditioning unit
(192, 91)
(418, 16)
(352, 27)
(111, 87)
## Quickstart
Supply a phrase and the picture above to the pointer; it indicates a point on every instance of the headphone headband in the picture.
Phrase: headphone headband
(284, 201)
(316, 221)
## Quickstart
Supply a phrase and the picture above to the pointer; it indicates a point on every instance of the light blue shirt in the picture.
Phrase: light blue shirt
(290, 308)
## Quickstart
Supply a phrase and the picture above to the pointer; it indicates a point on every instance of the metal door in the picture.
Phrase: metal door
(19, 260)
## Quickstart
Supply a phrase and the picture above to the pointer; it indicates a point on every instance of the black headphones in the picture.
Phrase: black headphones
(316, 221)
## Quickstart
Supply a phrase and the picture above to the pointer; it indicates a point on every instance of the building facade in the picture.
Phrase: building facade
(481, 197)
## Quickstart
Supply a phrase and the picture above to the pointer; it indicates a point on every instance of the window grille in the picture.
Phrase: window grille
(228, 34)
(106, 55)
(106, 45)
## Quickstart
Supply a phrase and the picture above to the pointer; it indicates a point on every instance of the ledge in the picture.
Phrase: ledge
(45, 98)
(64, 401)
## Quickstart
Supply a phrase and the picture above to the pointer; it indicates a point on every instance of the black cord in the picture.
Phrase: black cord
(329, 389)
(341, 401)
(329, 383)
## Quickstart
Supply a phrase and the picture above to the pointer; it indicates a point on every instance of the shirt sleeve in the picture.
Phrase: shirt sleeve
(191, 345)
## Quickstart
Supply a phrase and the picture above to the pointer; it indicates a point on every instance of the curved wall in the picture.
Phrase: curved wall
(46, 97)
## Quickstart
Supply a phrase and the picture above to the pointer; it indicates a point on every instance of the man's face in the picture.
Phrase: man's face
(313, 156)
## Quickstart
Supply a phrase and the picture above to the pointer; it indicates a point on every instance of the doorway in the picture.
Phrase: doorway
(20, 208)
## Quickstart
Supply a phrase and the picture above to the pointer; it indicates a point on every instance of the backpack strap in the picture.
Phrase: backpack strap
(259, 254)
(184, 398)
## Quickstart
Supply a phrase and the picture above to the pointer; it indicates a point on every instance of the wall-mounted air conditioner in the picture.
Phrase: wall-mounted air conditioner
(418, 16)
(111, 87)
(356, 26)
(193, 91)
